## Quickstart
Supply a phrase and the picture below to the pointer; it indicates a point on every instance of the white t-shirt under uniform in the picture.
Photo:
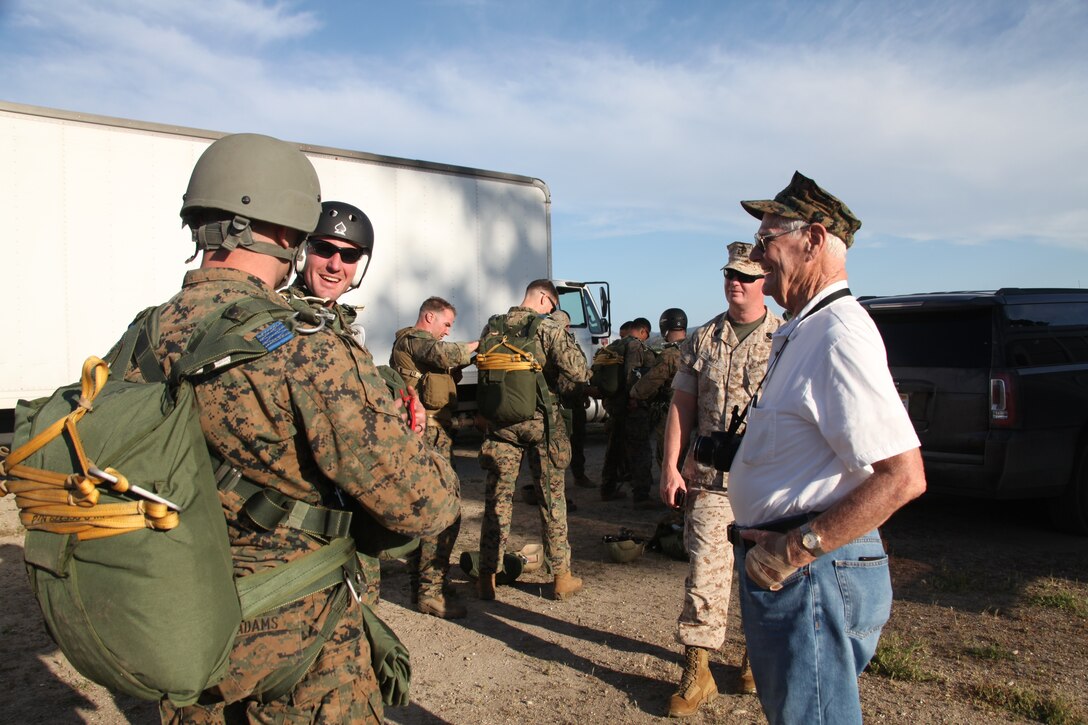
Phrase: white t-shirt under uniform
(828, 410)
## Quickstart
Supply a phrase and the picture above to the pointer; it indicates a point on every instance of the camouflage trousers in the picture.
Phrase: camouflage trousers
(703, 618)
(340, 686)
(659, 441)
(501, 456)
(578, 440)
(429, 564)
(636, 446)
(614, 468)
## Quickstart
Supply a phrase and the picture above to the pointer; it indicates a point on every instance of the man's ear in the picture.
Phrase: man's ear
(817, 237)
(287, 238)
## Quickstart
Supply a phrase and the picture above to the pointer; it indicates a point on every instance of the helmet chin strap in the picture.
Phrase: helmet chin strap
(231, 235)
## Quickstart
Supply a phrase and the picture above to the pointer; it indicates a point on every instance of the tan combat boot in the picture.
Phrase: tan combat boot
(485, 587)
(566, 585)
(747, 680)
(440, 606)
(696, 684)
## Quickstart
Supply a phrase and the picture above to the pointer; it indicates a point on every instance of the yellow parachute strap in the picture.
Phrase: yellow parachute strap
(517, 360)
(67, 503)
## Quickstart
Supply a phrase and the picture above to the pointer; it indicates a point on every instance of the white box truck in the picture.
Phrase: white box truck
(91, 226)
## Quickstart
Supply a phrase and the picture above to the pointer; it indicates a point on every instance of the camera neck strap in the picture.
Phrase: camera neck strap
(736, 418)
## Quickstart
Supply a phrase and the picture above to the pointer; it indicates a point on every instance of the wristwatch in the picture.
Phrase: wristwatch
(811, 541)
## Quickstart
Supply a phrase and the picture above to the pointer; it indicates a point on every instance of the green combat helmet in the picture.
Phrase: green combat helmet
(253, 178)
(624, 548)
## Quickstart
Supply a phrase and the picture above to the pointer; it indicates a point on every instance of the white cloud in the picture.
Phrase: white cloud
(949, 121)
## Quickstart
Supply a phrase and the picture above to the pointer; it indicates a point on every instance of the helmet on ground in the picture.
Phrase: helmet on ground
(623, 552)
(625, 547)
(340, 220)
(255, 178)
(512, 566)
(673, 318)
(533, 554)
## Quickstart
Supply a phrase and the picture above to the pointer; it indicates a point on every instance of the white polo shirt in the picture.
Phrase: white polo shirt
(828, 410)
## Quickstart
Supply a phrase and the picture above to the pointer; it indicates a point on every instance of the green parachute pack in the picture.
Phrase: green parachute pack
(606, 371)
(126, 548)
(511, 385)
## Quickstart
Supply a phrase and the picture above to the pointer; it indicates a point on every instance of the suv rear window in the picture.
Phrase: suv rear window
(1047, 333)
(937, 338)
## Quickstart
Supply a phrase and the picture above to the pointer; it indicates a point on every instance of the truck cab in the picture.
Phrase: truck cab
(589, 322)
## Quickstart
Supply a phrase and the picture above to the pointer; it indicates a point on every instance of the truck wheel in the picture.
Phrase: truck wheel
(1069, 511)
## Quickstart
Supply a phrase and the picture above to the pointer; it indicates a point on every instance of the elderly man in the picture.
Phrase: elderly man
(427, 362)
(829, 454)
(719, 369)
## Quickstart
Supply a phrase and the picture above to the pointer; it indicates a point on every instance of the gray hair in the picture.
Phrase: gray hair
(835, 246)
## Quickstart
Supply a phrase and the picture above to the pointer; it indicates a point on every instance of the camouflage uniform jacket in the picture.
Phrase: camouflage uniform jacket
(722, 372)
(564, 362)
(311, 419)
(417, 353)
(656, 385)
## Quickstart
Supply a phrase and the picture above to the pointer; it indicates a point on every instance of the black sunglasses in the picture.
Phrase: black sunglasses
(325, 250)
(732, 274)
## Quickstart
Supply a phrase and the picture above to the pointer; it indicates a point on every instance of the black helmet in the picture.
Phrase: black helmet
(340, 220)
(673, 318)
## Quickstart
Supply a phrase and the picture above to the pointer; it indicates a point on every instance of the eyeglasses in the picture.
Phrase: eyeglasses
(732, 274)
(762, 240)
(554, 302)
(325, 250)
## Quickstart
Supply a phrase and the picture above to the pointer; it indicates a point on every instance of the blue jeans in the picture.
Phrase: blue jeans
(809, 642)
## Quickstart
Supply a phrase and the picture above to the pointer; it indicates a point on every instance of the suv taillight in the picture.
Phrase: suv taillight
(1002, 400)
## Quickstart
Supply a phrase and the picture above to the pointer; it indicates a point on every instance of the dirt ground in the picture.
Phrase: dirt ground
(985, 595)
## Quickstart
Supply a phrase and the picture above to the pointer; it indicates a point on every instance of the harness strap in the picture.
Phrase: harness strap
(268, 508)
(314, 571)
(283, 680)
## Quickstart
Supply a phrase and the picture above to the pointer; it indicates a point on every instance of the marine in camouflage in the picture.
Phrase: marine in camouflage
(654, 389)
(573, 410)
(313, 420)
(638, 359)
(420, 357)
(621, 445)
(723, 372)
(502, 452)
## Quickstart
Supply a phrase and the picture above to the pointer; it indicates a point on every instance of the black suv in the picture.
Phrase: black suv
(996, 384)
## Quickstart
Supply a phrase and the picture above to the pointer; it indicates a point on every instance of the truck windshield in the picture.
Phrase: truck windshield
(575, 302)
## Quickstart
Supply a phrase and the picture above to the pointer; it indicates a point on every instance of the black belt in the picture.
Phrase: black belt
(780, 526)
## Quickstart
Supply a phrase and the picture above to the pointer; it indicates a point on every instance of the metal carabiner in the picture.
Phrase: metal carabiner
(323, 316)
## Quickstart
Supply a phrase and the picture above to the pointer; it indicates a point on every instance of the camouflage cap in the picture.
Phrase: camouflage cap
(806, 201)
(739, 261)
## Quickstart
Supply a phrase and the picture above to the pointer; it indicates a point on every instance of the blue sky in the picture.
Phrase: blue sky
(955, 131)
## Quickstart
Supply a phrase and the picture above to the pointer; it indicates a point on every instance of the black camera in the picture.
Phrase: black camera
(717, 449)
(720, 447)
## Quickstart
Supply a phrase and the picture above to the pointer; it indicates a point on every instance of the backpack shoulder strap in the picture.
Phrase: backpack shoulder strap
(138, 346)
(220, 339)
(496, 324)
